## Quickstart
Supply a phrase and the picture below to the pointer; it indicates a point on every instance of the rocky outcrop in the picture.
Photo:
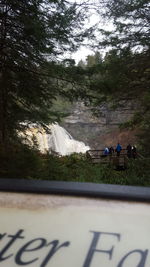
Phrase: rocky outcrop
(97, 132)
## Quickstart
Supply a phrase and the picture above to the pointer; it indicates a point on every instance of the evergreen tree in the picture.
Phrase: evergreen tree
(125, 72)
(94, 59)
(33, 35)
(131, 23)
(81, 64)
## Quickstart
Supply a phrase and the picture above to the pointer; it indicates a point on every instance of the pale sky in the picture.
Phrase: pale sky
(84, 51)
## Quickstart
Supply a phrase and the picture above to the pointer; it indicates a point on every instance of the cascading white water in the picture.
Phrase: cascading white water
(58, 140)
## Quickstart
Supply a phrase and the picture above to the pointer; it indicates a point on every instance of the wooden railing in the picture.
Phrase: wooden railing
(98, 156)
(97, 153)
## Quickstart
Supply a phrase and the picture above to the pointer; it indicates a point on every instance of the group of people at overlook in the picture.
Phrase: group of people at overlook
(131, 151)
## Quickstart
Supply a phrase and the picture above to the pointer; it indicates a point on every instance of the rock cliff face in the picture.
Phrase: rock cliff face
(101, 131)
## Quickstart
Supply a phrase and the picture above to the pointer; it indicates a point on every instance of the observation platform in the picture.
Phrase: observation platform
(119, 162)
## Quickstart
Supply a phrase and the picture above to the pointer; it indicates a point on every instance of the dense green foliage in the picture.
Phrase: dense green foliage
(123, 75)
(130, 19)
(127, 73)
(33, 36)
(25, 163)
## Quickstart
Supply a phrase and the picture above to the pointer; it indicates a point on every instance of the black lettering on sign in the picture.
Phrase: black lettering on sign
(2, 235)
(53, 250)
(49, 249)
(9, 244)
(143, 257)
(30, 247)
(93, 248)
(26, 248)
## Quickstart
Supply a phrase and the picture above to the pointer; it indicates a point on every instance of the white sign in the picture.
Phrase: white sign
(62, 231)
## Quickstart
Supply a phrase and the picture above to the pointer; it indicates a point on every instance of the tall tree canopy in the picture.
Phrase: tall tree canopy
(131, 23)
(33, 35)
(124, 73)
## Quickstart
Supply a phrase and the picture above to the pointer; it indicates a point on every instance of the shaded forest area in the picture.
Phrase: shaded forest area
(34, 38)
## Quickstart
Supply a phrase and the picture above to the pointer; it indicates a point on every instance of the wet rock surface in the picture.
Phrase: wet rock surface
(97, 132)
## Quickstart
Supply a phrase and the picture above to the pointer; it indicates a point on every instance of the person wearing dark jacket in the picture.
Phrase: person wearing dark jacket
(134, 152)
(111, 150)
(129, 151)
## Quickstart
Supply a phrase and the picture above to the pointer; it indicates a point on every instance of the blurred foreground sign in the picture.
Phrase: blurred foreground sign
(68, 231)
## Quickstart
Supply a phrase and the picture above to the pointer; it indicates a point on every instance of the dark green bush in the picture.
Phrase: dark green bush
(27, 163)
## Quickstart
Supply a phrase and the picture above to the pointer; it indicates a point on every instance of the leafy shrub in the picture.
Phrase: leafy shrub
(29, 164)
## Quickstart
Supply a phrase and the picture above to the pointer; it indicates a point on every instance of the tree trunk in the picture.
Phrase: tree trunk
(3, 80)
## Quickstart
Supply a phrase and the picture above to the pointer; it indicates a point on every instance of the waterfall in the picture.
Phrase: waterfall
(58, 140)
